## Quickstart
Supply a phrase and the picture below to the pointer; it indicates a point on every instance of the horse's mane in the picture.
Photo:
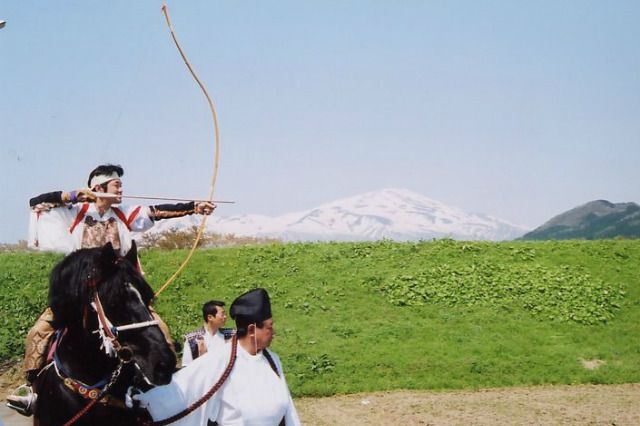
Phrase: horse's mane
(71, 280)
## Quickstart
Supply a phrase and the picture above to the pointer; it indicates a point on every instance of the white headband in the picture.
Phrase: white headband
(100, 179)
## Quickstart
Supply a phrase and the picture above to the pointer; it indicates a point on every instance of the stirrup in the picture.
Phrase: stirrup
(23, 400)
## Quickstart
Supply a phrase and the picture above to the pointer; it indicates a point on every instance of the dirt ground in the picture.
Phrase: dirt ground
(545, 405)
(549, 405)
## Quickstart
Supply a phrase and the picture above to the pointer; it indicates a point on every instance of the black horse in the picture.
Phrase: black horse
(92, 292)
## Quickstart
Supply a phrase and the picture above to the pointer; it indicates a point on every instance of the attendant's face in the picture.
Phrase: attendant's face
(218, 319)
(264, 335)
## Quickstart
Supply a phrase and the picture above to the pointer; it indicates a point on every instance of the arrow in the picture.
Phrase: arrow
(146, 197)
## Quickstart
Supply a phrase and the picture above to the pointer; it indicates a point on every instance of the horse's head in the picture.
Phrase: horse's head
(124, 296)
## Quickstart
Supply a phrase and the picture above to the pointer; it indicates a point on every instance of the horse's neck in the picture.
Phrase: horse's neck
(81, 358)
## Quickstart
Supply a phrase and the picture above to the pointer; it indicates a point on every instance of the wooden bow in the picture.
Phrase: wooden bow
(216, 160)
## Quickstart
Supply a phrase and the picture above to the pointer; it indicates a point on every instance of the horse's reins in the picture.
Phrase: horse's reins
(206, 396)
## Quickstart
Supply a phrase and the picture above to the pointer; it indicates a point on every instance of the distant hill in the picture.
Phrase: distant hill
(594, 220)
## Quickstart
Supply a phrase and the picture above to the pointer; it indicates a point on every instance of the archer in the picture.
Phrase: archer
(67, 221)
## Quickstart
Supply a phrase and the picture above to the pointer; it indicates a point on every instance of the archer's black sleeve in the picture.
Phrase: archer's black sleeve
(170, 211)
(48, 197)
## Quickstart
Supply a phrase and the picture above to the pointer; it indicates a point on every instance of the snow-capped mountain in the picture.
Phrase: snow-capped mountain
(396, 214)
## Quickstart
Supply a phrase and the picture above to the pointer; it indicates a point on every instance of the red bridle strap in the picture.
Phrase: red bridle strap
(104, 322)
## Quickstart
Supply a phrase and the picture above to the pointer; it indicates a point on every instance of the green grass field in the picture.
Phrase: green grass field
(354, 317)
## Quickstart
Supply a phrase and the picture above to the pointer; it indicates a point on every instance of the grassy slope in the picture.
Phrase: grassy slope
(339, 333)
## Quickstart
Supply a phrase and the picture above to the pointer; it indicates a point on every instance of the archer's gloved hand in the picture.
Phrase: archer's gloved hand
(204, 207)
(84, 195)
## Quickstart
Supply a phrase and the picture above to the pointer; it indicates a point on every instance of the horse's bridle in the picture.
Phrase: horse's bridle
(108, 332)
(112, 347)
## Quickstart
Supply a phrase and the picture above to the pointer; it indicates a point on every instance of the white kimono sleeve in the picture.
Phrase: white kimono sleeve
(187, 386)
(49, 230)
(187, 357)
(142, 221)
(291, 417)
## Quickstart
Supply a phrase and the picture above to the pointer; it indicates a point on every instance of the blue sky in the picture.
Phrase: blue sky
(520, 110)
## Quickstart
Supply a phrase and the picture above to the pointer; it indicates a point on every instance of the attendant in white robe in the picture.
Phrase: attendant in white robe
(255, 392)
(211, 336)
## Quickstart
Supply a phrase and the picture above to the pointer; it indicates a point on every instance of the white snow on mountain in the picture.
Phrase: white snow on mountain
(397, 214)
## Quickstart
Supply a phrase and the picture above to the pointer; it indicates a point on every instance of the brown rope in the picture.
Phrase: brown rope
(208, 395)
(81, 413)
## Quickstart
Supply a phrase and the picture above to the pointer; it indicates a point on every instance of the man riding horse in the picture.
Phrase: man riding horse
(90, 217)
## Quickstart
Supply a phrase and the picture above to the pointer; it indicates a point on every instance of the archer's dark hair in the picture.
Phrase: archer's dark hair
(242, 325)
(105, 169)
(210, 308)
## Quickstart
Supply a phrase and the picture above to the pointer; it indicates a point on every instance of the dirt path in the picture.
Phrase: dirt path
(545, 405)
(566, 405)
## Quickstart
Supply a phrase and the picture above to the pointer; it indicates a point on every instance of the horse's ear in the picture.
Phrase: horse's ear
(108, 255)
(132, 254)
